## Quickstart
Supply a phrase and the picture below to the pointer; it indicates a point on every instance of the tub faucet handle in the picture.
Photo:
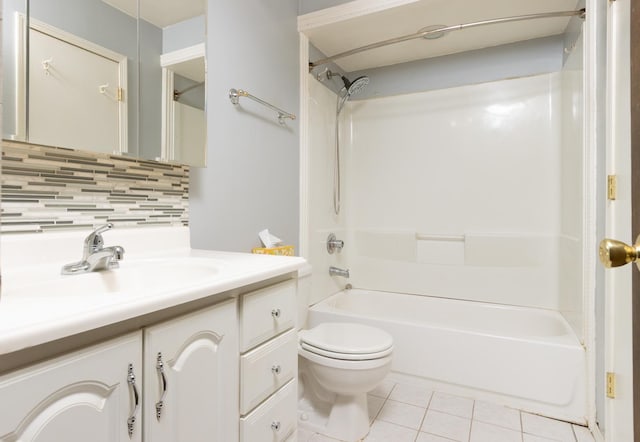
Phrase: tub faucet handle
(334, 244)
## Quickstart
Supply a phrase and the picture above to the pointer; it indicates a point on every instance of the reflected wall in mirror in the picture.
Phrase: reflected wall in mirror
(183, 105)
(88, 75)
(70, 77)
(166, 28)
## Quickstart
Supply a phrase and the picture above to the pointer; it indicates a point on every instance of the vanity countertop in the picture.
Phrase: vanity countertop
(36, 308)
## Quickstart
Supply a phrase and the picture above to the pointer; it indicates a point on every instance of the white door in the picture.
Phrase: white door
(80, 397)
(191, 377)
(618, 289)
(73, 96)
(189, 134)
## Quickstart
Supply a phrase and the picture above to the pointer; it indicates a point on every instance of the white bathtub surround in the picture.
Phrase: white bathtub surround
(488, 422)
(571, 188)
(475, 173)
(525, 358)
(322, 219)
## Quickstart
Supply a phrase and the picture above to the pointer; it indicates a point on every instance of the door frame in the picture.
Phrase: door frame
(635, 204)
(618, 347)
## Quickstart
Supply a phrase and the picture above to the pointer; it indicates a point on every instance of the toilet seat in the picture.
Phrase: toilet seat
(346, 356)
(344, 364)
(346, 341)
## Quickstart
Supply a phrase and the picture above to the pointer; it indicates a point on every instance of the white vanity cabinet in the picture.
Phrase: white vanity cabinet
(88, 395)
(191, 377)
(268, 364)
(223, 372)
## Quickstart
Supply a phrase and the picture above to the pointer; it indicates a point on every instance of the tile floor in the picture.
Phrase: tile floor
(405, 413)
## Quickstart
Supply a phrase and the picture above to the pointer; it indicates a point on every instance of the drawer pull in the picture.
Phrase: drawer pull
(275, 313)
(276, 369)
(163, 377)
(275, 425)
(131, 421)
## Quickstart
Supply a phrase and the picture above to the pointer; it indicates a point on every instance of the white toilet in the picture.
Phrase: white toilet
(339, 363)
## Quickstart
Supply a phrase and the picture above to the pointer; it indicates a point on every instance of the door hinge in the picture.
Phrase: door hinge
(611, 385)
(612, 187)
(120, 94)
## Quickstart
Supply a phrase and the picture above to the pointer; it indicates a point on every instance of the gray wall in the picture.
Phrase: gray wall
(184, 34)
(306, 6)
(251, 179)
(507, 61)
(150, 91)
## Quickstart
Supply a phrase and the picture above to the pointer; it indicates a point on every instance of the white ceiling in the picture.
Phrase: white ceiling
(161, 13)
(362, 29)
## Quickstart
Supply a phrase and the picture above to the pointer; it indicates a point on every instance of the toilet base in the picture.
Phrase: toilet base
(349, 418)
(346, 419)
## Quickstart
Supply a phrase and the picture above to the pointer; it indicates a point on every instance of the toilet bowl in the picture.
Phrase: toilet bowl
(339, 364)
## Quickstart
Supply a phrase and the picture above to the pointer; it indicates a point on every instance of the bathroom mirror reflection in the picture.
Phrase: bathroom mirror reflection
(87, 75)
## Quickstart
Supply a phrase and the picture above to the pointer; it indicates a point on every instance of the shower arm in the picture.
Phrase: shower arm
(421, 34)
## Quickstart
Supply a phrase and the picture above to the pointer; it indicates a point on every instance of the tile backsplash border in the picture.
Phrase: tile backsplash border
(50, 188)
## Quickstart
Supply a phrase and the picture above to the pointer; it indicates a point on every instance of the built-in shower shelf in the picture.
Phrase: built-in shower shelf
(362, 22)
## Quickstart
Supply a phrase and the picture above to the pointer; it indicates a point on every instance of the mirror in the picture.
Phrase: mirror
(87, 75)
(173, 86)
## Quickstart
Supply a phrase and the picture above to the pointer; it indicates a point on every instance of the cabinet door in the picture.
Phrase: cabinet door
(80, 397)
(197, 380)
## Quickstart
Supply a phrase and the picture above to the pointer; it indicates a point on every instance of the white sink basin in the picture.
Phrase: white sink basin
(139, 277)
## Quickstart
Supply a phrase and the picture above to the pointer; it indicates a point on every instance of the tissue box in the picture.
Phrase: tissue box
(282, 251)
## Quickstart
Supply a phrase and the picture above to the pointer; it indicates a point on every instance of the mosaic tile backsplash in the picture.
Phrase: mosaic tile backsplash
(48, 188)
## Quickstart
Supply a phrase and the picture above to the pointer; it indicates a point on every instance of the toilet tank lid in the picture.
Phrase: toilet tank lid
(341, 337)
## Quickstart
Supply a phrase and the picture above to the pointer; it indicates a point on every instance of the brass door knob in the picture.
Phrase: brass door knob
(614, 253)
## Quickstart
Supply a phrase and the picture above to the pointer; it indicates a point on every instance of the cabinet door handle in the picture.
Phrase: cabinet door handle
(163, 378)
(275, 313)
(276, 369)
(131, 421)
(275, 425)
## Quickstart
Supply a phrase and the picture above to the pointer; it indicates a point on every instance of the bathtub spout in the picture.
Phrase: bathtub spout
(335, 271)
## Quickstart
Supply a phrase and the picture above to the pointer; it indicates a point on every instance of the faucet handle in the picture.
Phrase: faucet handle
(334, 244)
(94, 241)
(102, 228)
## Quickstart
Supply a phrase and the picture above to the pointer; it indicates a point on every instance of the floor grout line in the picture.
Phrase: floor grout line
(473, 409)
(472, 420)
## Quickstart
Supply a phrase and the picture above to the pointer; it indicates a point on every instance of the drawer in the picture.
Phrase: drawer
(273, 421)
(266, 313)
(266, 368)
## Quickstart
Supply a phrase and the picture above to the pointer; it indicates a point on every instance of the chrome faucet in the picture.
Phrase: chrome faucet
(335, 271)
(94, 255)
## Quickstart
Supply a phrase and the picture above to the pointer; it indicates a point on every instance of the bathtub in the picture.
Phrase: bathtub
(520, 357)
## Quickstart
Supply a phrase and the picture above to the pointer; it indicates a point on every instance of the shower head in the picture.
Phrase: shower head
(355, 86)
(352, 87)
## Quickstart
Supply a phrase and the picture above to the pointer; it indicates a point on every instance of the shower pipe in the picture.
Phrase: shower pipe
(422, 34)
